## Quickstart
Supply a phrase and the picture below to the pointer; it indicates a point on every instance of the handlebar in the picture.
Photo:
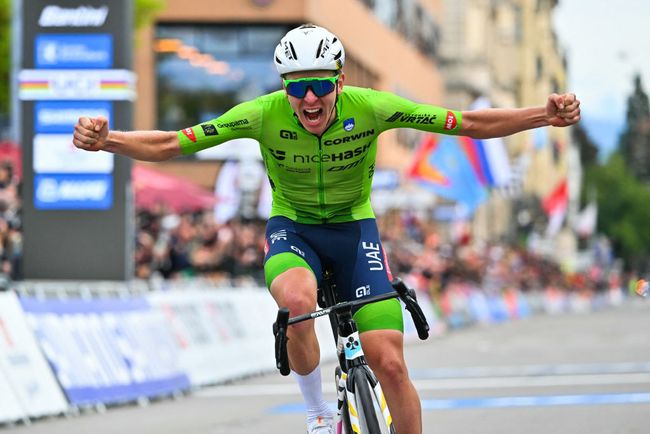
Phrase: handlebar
(280, 326)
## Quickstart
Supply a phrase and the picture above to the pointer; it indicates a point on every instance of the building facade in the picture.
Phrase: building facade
(508, 52)
(200, 58)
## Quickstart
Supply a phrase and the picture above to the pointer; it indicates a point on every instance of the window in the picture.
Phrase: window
(204, 70)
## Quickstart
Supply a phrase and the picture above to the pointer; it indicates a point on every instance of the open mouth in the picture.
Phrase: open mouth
(313, 115)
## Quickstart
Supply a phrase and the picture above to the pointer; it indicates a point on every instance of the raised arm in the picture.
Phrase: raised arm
(560, 111)
(92, 134)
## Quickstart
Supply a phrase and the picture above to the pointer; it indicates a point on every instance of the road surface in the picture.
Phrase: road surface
(560, 374)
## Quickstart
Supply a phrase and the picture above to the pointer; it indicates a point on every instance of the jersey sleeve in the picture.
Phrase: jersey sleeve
(393, 111)
(242, 121)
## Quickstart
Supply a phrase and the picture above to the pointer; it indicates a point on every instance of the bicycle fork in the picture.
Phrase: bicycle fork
(352, 359)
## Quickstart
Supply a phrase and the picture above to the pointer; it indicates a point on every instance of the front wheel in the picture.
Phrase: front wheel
(343, 416)
(372, 412)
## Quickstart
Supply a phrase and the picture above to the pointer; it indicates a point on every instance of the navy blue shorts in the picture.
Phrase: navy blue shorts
(351, 250)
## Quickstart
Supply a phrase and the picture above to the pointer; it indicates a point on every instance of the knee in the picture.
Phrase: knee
(295, 289)
(300, 300)
(390, 368)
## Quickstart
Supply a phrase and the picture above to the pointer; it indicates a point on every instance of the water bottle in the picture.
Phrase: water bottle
(642, 288)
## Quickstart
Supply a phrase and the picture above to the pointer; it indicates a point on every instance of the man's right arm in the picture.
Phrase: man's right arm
(92, 134)
(242, 121)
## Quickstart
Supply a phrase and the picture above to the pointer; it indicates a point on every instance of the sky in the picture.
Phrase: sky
(607, 43)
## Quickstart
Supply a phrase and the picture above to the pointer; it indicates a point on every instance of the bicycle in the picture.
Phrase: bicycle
(361, 407)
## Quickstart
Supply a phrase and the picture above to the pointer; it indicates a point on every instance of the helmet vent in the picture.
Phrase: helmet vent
(334, 40)
(278, 60)
(293, 51)
(320, 46)
(338, 55)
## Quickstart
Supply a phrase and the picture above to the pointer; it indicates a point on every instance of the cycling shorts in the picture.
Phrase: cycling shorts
(351, 250)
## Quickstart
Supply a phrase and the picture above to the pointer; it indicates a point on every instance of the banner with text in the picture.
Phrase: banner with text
(107, 350)
(26, 371)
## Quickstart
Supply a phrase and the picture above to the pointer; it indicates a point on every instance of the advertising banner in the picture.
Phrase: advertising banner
(28, 376)
(74, 50)
(59, 117)
(74, 59)
(107, 350)
(10, 409)
(225, 334)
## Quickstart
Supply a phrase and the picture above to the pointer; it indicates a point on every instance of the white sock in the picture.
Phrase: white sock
(312, 392)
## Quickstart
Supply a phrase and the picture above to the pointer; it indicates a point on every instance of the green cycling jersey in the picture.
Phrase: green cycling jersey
(324, 179)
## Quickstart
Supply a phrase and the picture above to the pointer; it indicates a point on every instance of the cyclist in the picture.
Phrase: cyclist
(318, 142)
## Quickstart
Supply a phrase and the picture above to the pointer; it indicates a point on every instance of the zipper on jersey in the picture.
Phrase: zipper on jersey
(321, 185)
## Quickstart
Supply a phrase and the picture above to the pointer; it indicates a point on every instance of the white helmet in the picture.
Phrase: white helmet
(309, 48)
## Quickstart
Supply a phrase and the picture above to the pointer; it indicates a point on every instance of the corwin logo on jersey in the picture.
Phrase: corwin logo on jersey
(209, 130)
(278, 155)
(290, 135)
(348, 139)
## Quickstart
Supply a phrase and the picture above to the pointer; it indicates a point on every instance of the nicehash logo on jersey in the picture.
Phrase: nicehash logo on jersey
(278, 155)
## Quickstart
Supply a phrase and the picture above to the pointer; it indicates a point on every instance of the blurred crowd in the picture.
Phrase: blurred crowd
(10, 224)
(418, 253)
(175, 246)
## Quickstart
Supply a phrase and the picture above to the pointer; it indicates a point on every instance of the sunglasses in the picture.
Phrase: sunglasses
(320, 86)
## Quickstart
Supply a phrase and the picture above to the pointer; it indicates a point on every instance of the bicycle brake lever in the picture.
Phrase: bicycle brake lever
(409, 298)
(280, 332)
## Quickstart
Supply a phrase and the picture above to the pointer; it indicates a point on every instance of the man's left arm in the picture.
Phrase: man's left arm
(560, 111)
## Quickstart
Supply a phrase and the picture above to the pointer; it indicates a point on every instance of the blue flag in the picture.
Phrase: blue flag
(455, 178)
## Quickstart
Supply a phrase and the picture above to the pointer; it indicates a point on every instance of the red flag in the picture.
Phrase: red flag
(557, 200)
(421, 168)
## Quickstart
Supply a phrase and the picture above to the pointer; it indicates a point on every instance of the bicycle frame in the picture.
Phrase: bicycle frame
(354, 370)
(352, 362)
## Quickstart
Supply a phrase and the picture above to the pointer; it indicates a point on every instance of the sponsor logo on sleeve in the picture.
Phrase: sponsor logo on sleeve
(241, 124)
(420, 118)
(189, 133)
(450, 121)
(395, 117)
(209, 130)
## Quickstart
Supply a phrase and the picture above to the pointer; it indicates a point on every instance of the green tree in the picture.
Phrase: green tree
(5, 55)
(144, 13)
(587, 147)
(623, 209)
(634, 143)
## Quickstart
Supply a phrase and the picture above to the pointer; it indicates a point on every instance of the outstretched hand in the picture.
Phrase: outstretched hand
(90, 133)
(562, 110)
